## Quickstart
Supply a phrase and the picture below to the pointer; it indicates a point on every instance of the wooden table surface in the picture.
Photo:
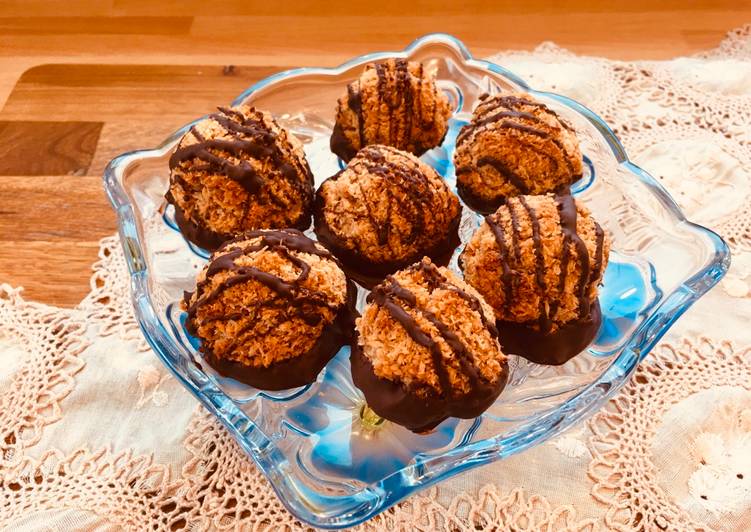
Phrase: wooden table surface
(110, 76)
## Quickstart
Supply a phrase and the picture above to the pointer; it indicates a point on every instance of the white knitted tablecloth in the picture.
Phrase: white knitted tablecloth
(95, 435)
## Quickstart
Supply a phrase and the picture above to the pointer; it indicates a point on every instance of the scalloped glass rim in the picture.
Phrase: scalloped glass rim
(337, 512)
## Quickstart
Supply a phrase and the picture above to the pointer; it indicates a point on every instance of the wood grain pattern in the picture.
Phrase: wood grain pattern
(44, 148)
(104, 25)
(135, 93)
(54, 208)
(114, 75)
(49, 230)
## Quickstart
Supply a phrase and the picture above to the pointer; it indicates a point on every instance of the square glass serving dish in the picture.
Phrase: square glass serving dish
(331, 462)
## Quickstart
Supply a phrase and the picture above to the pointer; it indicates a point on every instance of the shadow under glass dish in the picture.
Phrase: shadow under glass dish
(332, 463)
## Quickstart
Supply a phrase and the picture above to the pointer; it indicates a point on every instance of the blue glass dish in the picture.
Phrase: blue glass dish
(329, 460)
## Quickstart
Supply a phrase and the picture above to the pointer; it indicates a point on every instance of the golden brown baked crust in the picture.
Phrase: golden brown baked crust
(262, 300)
(238, 170)
(516, 260)
(440, 297)
(395, 103)
(514, 145)
(387, 206)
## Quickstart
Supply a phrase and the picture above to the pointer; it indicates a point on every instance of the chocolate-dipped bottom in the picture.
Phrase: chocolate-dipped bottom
(210, 240)
(452, 366)
(302, 369)
(399, 404)
(552, 348)
(271, 308)
(201, 236)
(477, 203)
(383, 212)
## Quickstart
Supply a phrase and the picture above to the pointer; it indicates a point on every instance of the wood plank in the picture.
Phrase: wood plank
(50, 227)
(95, 25)
(54, 208)
(120, 136)
(139, 92)
(436, 8)
(25, 8)
(305, 40)
(51, 272)
(640, 34)
(44, 148)
(67, 215)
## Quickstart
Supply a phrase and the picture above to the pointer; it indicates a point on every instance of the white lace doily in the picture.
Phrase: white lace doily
(94, 434)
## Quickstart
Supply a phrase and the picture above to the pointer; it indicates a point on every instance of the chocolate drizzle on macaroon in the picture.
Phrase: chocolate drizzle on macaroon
(291, 299)
(567, 314)
(543, 345)
(567, 215)
(394, 103)
(385, 211)
(544, 322)
(420, 406)
(514, 146)
(247, 147)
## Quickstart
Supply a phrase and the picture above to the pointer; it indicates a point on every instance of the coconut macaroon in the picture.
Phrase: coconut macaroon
(386, 210)
(538, 261)
(514, 145)
(238, 170)
(395, 103)
(270, 309)
(427, 349)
